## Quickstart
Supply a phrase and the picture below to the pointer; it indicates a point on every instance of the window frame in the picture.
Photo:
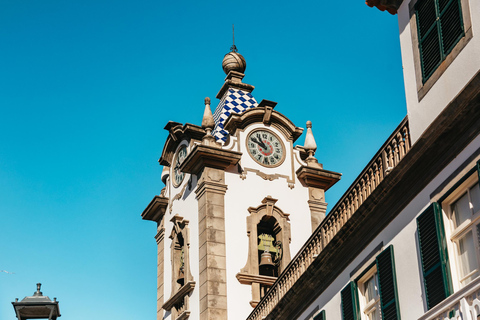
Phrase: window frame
(424, 87)
(455, 233)
(367, 306)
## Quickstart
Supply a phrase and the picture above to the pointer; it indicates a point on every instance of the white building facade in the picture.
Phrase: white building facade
(404, 240)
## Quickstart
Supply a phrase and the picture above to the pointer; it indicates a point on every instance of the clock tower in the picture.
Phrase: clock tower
(240, 199)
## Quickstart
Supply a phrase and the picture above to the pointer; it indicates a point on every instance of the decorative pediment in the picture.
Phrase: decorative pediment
(178, 132)
(265, 114)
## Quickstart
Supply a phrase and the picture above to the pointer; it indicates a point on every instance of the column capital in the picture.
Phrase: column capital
(155, 209)
(317, 178)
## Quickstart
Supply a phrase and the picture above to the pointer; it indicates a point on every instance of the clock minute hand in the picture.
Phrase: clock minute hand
(259, 142)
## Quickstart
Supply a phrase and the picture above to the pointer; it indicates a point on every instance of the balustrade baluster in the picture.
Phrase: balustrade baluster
(401, 145)
(407, 138)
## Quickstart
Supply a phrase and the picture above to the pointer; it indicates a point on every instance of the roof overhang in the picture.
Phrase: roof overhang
(385, 5)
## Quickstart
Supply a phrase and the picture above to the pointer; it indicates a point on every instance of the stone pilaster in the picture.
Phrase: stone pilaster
(317, 205)
(155, 211)
(159, 237)
(209, 163)
(318, 181)
(211, 216)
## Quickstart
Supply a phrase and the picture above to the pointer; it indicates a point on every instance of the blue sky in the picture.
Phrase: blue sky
(86, 88)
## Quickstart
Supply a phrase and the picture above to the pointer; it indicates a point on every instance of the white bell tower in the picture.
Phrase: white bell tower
(240, 199)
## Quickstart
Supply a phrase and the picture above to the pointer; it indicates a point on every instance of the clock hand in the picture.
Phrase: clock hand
(259, 142)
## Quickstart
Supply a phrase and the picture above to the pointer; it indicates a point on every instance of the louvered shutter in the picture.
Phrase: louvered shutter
(350, 307)
(440, 27)
(428, 37)
(433, 252)
(478, 169)
(451, 24)
(320, 316)
(387, 283)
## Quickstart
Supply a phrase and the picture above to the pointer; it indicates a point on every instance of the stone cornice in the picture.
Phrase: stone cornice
(177, 297)
(264, 113)
(209, 156)
(317, 177)
(178, 132)
(246, 278)
(234, 84)
(155, 209)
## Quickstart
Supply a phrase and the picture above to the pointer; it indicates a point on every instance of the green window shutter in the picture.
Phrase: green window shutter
(440, 27)
(320, 316)
(433, 252)
(387, 283)
(478, 169)
(428, 37)
(451, 24)
(350, 307)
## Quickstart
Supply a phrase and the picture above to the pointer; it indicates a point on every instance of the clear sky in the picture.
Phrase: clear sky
(86, 87)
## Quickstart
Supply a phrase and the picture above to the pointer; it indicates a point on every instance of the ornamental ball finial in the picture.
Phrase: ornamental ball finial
(234, 61)
(309, 124)
(207, 100)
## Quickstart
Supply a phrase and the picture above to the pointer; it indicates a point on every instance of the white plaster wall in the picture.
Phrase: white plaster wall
(186, 207)
(402, 234)
(241, 195)
(456, 76)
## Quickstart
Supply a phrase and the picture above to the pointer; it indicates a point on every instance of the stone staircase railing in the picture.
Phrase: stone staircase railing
(389, 155)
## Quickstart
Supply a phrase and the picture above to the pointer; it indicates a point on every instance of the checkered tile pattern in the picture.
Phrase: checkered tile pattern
(234, 101)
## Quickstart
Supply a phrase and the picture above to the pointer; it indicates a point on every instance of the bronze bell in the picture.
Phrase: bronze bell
(266, 260)
(181, 277)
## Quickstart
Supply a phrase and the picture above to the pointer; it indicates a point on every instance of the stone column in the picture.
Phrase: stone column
(209, 163)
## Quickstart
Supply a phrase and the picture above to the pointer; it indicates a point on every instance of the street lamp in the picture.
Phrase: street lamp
(37, 306)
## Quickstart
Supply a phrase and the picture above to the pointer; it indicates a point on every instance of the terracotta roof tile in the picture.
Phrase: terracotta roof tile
(377, 3)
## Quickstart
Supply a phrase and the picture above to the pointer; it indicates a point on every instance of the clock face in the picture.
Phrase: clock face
(265, 148)
(177, 174)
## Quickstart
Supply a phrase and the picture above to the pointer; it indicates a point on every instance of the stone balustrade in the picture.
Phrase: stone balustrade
(384, 161)
(463, 304)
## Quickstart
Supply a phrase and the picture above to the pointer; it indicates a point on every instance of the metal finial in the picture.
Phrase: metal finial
(38, 292)
(233, 48)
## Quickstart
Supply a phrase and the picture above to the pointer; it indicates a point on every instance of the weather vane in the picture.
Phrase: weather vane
(233, 48)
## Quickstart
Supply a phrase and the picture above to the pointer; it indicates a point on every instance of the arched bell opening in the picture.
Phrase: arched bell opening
(179, 263)
(269, 247)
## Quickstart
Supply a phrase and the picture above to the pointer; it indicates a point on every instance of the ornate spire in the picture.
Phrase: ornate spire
(310, 146)
(234, 61)
(208, 124)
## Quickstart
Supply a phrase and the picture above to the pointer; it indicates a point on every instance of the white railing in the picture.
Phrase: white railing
(462, 305)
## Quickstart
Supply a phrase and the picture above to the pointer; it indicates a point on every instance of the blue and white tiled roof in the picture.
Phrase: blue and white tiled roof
(233, 101)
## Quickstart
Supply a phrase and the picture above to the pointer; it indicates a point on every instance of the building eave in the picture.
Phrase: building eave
(391, 6)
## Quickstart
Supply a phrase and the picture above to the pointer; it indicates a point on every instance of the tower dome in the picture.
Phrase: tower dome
(234, 61)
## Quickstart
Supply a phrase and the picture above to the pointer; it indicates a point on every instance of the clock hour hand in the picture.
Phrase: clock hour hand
(259, 142)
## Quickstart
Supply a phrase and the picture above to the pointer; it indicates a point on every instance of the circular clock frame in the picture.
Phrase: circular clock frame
(282, 146)
(176, 164)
